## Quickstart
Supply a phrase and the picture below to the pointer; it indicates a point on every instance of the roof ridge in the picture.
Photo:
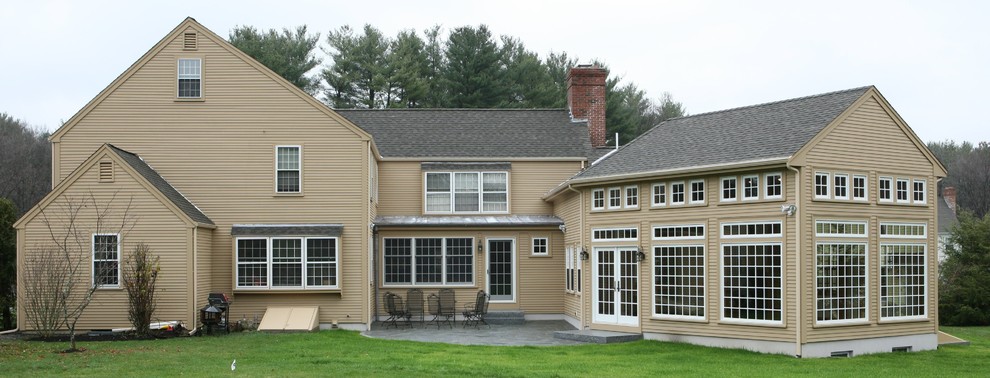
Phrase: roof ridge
(771, 103)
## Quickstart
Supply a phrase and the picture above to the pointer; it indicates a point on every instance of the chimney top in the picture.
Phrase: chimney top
(949, 194)
(586, 99)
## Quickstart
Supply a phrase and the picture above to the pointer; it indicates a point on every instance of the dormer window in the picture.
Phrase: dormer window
(190, 76)
(467, 192)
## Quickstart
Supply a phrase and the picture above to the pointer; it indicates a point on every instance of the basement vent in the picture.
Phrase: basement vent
(901, 349)
(189, 41)
(842, 353)
(106, 171)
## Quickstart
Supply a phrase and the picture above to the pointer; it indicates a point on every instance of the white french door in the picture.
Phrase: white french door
(501, 270)
(615, 286)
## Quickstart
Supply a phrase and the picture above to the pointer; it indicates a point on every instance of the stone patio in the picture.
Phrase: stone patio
(538, 333)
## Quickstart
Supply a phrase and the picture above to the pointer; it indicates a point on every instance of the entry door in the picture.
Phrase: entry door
(616, 286)
(501, 270)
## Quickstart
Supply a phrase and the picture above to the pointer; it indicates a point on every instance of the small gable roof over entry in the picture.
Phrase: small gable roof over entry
(473, 133)
(765, 132)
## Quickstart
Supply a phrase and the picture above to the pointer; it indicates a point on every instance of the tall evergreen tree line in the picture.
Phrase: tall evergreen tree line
(968, 168)
(468, 67)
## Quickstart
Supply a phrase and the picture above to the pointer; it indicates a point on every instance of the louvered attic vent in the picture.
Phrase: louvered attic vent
(189, 41)
(106, 171)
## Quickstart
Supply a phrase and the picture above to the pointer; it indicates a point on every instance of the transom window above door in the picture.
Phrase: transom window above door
(467, 192)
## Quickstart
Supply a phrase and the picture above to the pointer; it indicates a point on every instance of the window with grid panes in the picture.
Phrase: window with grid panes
(614, 198)
(541, 246)
(467, 192)
(287, 263)
(902, 191)
(751, 187)
(918, 191)
(840, 281)
(775, 186)
(698, 191)
(428, 261)
(677, 193)
(903, 288)
(752, 283)
(821, 185)
(659, 194)
(841, 186)
(190, 78)
(859, 187)
(679, 281)
(885, 190)
(728, 189)
(106, 260)
(632, 197)
(288, 169)
(598, 199)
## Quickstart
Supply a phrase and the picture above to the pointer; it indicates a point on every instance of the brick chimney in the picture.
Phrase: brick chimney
(586, 99)
(949, 193)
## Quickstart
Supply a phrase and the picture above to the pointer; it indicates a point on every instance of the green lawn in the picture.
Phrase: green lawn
(342, 353)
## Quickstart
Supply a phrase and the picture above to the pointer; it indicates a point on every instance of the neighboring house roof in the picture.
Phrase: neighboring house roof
(469, 221)
(946, 217)
(161, 185)
(473, 133)
(763, 132)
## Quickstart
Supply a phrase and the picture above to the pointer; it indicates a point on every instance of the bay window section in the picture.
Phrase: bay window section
(428, 261)
(286, 263)
(467, 192)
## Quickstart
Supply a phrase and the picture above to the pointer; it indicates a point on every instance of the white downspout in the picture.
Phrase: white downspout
(8, 331)
(580, 239)
(797, 241)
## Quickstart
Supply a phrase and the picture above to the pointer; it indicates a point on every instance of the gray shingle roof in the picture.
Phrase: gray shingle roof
(946, 217)
(473, 133)
(758, 132)
(286, 229)
(163, 186)
(469, 220)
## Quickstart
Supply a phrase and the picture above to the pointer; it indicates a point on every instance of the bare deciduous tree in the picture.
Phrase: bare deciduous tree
(80, 256)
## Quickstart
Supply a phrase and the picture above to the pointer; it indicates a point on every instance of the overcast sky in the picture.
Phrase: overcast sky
(930, 59)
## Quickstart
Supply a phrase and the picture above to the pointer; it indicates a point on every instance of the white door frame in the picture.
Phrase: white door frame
(515, 279)
(616, 318)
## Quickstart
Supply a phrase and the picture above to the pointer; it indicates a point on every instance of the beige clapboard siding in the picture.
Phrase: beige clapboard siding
(401, 186)
(869, 139)
(219, 153)
(711, 215)
(567, 207)
(539, 280)
(874, 214)
(153, 224)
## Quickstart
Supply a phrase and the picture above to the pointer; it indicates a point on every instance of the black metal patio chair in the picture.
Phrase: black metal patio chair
(414, 304)
(395, 309)
(474, 313)
(433, 306)
(448, 306)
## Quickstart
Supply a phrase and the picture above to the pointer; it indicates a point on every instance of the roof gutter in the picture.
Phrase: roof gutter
(798, 348)
(684, 170)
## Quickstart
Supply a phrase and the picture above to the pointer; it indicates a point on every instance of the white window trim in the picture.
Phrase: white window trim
(828, 185)
(721, 189)
(481, 193)
(907, 186)
(866, 188)
(443, 263)
(179, 76)
(890, 189)
(704, 232)
(928, 294)
(721, 286)
(653, 195)
(835, 184)
(866, 267)
(689, 192)
(625, 192)
(766, 185)
(924, 226)
(300, 170)
(594, 239)
(546, 246)
(743, 181)
(924, 192)
(604, 200)
(268, 264)
(704, 279)
(608, 199)
(93, 260)
(684, 193)
(721, 229)
(568, 268)
(865, 224)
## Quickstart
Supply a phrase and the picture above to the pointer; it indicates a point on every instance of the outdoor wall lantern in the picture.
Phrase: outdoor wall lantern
(584, 254)
(640, 256)
(480, 247)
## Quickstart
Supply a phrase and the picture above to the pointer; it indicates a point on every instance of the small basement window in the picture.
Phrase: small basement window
(842, 353)
(900, 349)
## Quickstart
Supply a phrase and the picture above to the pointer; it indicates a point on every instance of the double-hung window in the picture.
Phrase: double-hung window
(614, 198)
(751, 187)
(774, 186)
(467, 192)
(677, 193)
(886, 189)
(697, 191)
(428, 261)
(598, 199)
(728, 189)
(286, 263)
(859, 188)
(659, 194)
(288, 169)
(902, 191)
(632, 197)
(190, 78)
(821, 185)
(106, 260)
